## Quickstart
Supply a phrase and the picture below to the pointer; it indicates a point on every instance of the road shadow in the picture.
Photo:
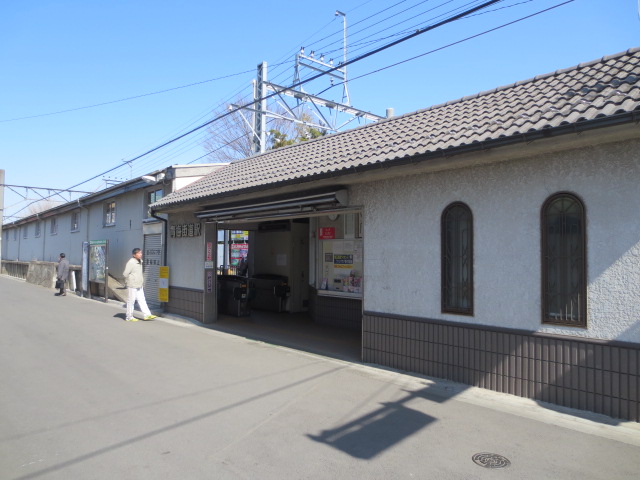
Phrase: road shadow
(371, 434)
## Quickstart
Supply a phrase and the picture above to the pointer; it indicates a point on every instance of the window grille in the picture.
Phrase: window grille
(457, 259)
(564, 292)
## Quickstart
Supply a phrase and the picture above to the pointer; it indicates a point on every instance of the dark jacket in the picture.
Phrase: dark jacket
(63, 269)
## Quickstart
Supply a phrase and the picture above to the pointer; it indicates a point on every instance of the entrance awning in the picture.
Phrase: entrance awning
(308, 205)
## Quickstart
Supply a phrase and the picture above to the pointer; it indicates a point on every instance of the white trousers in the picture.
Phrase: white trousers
(137, 295)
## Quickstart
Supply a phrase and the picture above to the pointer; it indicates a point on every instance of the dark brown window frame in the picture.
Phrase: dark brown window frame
(75, 221)
(581, 321)
(148, 201)
(109, 214)
(445, 307)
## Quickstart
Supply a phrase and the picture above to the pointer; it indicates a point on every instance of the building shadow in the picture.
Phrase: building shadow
(377, 431)
(295, 331)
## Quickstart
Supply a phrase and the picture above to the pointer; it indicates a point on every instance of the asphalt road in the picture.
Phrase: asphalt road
(85, 395)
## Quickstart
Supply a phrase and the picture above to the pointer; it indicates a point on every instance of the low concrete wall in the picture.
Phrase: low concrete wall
(42, 273)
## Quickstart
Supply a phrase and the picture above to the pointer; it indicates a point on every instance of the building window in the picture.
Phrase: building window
(110, 213)
(564, 289)
(54, 226)
(75, 221)
(152, 197)
(457, 259)
(37, 228)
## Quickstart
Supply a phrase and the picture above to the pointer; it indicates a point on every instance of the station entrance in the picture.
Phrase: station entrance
(266, 288)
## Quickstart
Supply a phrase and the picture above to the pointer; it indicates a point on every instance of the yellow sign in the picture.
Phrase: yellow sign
(163, 284)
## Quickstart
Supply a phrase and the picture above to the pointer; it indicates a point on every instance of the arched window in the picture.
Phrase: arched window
(564, 290)
(457, 259)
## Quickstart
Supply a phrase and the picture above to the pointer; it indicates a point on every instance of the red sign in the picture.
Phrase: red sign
(209, 251)
(327, 233)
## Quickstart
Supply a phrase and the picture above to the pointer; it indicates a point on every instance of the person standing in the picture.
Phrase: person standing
(62, 274)
(134, 279)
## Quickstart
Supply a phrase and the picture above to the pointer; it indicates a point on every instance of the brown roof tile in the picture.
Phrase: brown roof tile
(584, 93)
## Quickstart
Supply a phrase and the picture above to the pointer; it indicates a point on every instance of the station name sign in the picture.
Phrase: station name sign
(181, 230)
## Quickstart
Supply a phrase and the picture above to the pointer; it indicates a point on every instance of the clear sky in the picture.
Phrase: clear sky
(70, 54)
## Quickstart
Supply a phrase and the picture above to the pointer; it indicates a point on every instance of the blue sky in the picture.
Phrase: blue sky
(66, 55)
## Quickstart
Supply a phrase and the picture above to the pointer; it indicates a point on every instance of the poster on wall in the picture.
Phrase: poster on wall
(98, 260)
(239, 247)
(342, 266)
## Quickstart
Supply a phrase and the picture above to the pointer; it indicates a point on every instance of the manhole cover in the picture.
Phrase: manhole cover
(490, 460)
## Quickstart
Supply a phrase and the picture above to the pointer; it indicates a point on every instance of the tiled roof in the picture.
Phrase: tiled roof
(589, 92)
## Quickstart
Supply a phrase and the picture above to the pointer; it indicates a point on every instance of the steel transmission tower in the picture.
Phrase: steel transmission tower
(321, 113)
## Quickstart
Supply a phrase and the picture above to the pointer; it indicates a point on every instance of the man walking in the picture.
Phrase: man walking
(62, 274)
(134, 279)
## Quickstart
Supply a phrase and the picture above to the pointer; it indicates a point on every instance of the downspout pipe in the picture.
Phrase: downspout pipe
(87, 227)
(87, 292)
(164, 238)
(43, 236)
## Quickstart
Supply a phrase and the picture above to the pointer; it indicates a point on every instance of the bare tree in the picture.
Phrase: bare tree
(42, 205)
(231, 137)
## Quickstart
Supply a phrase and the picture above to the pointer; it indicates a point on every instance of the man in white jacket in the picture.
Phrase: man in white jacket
(134, 279)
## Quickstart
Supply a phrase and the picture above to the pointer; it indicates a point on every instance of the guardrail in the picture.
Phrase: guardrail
(15, 268)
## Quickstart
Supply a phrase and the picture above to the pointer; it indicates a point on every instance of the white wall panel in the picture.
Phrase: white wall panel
(402, 239)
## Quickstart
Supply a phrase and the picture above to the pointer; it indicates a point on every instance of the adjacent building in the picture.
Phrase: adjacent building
(118, 215)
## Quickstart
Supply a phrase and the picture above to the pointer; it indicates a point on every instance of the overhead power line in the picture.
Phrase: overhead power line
(66, 190)
(449, 44)
(126, 99)
(326, 72)
(306, 80)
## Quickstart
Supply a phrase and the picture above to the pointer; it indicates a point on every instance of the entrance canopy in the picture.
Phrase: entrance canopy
(307, 205)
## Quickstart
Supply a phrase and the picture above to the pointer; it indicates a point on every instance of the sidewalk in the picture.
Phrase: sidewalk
(87, 395)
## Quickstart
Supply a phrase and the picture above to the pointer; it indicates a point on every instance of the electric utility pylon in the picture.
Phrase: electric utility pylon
(297, 105)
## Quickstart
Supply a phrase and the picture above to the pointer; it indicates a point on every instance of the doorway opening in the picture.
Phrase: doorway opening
(266, 287)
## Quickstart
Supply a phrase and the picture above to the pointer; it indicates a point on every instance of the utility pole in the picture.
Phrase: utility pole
(260, 114)
(345, 92)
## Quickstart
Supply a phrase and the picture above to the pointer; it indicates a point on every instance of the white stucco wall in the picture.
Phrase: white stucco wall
(402, 239)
